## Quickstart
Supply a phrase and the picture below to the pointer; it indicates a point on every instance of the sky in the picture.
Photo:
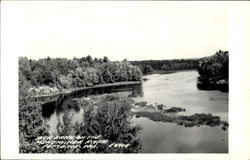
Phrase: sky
(132, 30)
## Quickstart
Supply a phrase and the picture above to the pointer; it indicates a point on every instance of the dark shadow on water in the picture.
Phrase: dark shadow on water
(48, 109)
(65, 102)
(204, 85)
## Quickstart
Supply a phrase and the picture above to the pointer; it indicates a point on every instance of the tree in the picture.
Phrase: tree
(147, 69)
(23, 84)
(213, 71)
(111, 119)
(80, 72)
(105, 59)
(90, 60)
(64, 128)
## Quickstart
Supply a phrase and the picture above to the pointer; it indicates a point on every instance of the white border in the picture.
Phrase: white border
(239, 98)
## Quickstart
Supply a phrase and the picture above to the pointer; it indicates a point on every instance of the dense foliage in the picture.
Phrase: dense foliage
(111, 118)
(213, 71)
(148, 66)
(31, 125)
(62, 73)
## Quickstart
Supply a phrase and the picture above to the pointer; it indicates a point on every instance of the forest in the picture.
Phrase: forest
(214, 72)
(148, 66)
(51, 75)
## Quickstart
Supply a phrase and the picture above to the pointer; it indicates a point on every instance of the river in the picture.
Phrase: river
(179, 89)
(176, 90)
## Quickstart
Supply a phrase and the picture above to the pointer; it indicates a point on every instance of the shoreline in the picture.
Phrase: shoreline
(69, 91)
(168, 71)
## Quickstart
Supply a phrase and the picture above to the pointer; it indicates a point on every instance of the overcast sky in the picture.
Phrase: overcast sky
(132, 30)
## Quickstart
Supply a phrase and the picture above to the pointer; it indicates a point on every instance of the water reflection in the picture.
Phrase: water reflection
(67, 102)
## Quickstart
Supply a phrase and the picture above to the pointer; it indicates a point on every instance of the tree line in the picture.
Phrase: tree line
(62, 73)
(148, 66)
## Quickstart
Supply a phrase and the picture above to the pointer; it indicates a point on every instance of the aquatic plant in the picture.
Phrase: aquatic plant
(186, 121)
(174, 110)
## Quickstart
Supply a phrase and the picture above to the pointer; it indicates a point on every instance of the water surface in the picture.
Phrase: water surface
(179, 90)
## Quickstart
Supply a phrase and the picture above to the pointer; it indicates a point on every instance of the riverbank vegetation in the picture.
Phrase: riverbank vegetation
(109, 118)
(186, 121)
(51, 75)
(214, 72)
